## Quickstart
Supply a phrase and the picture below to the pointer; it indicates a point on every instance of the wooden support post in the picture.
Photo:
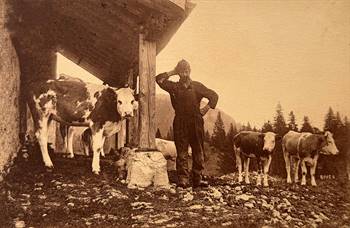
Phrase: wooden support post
(132, 124)
(147, 71)
(148, 166)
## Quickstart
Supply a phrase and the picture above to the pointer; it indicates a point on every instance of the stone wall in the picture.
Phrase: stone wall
(9, 96)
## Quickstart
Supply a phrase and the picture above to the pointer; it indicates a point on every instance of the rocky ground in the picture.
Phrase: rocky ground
(72, 196)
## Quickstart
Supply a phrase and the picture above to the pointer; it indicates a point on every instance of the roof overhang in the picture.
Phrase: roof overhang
(101, 36)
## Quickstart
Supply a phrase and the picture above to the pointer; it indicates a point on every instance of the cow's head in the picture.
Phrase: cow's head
(126, 102)
(328, 144)
(269, 141)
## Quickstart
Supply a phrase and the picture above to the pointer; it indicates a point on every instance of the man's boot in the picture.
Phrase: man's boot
(197, 182)
(182, 183)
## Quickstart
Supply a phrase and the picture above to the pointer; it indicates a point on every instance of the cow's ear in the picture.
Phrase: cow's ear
(327, 134)
(322, 141)
(278, 137)
(262, 135)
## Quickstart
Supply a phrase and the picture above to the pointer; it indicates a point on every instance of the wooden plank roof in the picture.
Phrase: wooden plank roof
(99, 35)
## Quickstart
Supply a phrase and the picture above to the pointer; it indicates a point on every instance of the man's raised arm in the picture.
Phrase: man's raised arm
(164, 82)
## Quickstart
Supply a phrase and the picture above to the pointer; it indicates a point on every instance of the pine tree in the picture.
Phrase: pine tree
(219, 134)
(249, 128)
(347, 134)
(226, 156)
(346, 151)
(330, 121)
(341, 135)
(346, 122)
(158, 135)
(229, 137)
(338, 121)
(280, 126)
(306, 127)
(292, 125)
(207, 136)
(267, 127)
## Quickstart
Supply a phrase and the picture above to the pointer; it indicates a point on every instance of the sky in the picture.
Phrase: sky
(255, 54)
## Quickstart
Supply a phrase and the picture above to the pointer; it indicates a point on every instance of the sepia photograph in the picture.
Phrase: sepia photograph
(175, 113)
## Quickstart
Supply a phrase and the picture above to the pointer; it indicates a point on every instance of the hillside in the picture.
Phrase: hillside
(72, 196)
(165, 116)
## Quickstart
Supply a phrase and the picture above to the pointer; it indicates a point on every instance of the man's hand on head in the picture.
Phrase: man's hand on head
(172, 72)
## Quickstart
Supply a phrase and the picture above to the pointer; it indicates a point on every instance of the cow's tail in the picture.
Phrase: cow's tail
(283, 146)
(237, 140)
(77, 124)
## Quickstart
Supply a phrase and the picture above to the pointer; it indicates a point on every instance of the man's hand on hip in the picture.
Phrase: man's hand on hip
(204, 110)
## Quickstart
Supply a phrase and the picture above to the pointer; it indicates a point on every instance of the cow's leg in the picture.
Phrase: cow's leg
(238, 163)
(304, 171)
(42, 136)
(86, 140)
(64, 133)
(246, 170)
(266, 170)
(97, 144)
(70, 138)
(313, 170)
(102, 149)
(296, 170)
(287, 160)
(258, 178)
(86, 149)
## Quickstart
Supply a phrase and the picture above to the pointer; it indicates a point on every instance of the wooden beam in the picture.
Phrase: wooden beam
(164, 6)
(132, 124)
(147, 71)
(180, 3)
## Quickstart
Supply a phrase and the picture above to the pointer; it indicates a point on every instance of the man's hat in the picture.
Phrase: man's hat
(182, 65)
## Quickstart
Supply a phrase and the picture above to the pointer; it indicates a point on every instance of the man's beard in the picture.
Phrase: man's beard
(184, 80)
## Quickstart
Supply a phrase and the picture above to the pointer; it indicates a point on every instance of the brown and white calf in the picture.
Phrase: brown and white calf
(249, 144)
(76, 103)
(305, 148)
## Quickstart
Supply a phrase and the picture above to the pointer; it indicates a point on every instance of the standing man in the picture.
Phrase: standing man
(188, 125)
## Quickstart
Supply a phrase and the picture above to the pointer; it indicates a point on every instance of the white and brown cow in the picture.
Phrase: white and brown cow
(305, 148)
(249, 144)
(76, 103)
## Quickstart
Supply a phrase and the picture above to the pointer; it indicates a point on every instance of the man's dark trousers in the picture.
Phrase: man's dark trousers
(189, 130)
